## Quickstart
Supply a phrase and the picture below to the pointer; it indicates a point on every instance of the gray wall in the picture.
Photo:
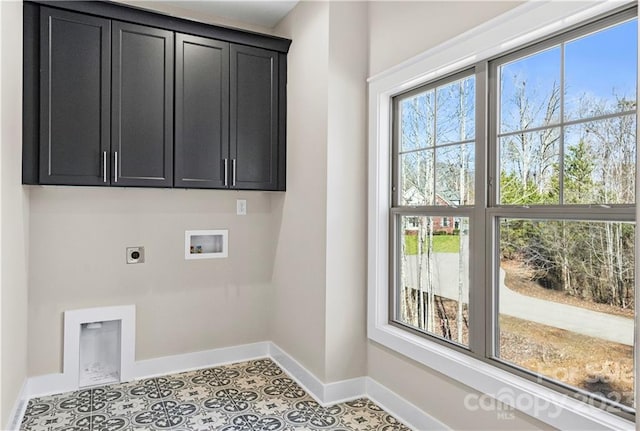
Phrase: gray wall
(196, 13)
(299, 274)
(346, 202)
(400, 30)
(319, 273)
(14, 213)
(441, 396)
(77, 256)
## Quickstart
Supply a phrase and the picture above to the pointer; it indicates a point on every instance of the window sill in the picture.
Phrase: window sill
(546, 405)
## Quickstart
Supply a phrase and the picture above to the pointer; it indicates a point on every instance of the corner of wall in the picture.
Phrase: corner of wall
(345, 317)
(320, 259)
(14, 214)
(299, 273)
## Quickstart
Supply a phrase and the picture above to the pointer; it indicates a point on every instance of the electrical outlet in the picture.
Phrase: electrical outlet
(241, 207)
(135, 254)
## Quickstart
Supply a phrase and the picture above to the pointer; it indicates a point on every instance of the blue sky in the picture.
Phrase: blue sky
(614, 65)
(598, 64)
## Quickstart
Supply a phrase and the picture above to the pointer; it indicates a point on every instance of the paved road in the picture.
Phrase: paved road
(446, 275)
(580, 320)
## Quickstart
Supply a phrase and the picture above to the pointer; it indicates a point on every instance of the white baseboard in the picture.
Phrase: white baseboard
(20, 406)
(50, 384)
(196, 360)
(300, 374)
(345, 390)
(400, 408)
(324, 393)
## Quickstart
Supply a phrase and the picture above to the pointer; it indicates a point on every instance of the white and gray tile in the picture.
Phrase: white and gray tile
(249, 396)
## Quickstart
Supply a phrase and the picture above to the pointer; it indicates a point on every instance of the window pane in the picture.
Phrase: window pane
(601, 72)
(433, 294)
(417, 178)
(456, 111)
(455, 172)
(600, 162)
(417, 121)
(530, 91)
(529, 164)
(566, 302)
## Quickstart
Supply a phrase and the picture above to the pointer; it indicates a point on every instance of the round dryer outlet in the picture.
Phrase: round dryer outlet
(135, 254)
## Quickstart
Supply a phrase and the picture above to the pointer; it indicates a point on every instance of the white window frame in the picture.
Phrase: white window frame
(521, 25)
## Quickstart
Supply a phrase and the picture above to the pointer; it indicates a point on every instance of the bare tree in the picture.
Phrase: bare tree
(531, 156)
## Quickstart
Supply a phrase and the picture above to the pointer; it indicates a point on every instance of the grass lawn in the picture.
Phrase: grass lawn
(441, 244)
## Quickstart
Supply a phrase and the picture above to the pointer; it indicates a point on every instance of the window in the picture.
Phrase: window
(565, 209)
(518, 248)
(435, 148)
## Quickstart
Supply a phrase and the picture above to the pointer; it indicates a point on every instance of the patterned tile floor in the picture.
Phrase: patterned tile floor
(248, 396)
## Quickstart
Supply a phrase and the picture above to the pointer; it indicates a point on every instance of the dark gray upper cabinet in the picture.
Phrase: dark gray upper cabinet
(75, 60)
(226, 115)
(254, 98)
(202, 113)
(100, 107)
(142, 106)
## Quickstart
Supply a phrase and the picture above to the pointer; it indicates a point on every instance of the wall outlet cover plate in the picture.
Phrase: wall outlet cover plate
(241, 207)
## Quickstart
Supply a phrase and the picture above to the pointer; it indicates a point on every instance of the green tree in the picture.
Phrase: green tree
(578, 174)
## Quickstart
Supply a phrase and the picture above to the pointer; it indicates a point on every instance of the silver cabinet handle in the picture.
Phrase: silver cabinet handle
(226, 172)
(104, 166)
(233, 170)
(116, 167)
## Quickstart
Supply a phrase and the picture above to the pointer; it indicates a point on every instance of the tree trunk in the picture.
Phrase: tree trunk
(430, 287)
(609, 259)
(463, 201)
(421, 304)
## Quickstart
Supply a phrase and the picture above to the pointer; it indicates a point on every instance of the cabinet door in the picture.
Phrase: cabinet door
(254, 118)
(202, 113)
(142, 111)
(74, 98)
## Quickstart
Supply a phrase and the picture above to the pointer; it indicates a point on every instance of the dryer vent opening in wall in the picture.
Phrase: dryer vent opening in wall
(99, 346)
(99, 353)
